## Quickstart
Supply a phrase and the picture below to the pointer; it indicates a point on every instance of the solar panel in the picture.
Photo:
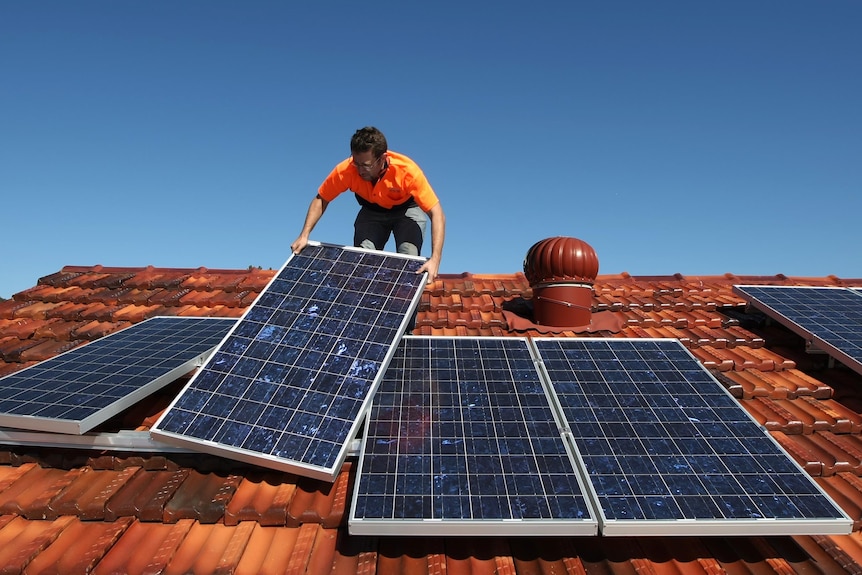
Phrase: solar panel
(668, 451)
(829, 318)
(77, 390)
(461, 440)
(289, 385)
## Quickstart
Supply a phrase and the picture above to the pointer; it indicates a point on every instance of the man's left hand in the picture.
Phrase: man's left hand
(431, 266)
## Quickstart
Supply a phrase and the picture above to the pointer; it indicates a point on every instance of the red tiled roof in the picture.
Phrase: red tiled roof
(76, 511)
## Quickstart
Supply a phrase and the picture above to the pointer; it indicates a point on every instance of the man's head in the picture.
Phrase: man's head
(367, 146)
(368, 138)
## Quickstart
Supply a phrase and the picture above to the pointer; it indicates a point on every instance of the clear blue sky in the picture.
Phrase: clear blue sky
(690, 137)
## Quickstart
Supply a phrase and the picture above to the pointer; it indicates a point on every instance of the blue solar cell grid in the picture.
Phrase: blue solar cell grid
(75, 391)
(288, 386)
(461, 440)
(664, 445)
(831, 318)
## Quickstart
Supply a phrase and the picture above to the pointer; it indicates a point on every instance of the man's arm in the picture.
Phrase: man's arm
(438, 234)
(315, 211)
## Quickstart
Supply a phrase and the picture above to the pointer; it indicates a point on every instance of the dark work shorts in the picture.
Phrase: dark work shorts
(374, 226)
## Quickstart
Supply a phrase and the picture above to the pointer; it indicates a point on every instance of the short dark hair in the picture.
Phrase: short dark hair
(368, 138)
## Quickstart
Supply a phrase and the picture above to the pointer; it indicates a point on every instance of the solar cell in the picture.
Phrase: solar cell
(668, 451)
(829, 318)
(289, 384)
(461, 440)
(75, 391)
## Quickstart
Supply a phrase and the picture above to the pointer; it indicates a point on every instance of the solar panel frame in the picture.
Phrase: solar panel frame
(668, 463)
(75, 391)
(290, 383)
(829, 318)
(461, 440)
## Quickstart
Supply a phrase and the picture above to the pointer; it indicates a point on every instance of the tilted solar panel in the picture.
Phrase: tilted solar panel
(289, 385)
(668, 451)
(829, 318)
(461, 440)
(77, 390)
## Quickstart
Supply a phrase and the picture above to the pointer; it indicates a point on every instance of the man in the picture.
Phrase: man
(394, 195)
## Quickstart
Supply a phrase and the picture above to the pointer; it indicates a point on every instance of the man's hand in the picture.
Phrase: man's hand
(431, 266)
(298, 244)
(438, 230)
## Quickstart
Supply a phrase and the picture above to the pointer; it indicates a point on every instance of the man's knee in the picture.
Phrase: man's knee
(408, 249)
(367, 244)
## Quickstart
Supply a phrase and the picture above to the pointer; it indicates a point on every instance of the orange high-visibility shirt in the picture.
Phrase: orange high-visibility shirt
(402, 180)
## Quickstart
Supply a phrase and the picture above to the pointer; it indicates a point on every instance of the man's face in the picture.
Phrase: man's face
(368, 166)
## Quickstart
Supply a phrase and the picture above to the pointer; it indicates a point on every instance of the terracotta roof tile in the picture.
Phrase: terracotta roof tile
(249, 298)
(322, 551)
(86, 496)
(144, 548)
(34, 310)
(201, 496)
(714, 358)
(90, 280)
(66, 311)
(78, 547)
(306, 544)
(311, 502)
(339, 500)
(773, 417)
(110, 297)
(136, 296)
(798, 448)
(268, 550)
(8, 308)
(215, 298)
(145, 495)
(833, 554)
(99, 311)
(152, 278)
(167, 297)
(186, 310)
(58, 330)
(9, 475)
(47, 349)
(21, 540)
(136, 313)
(59, 278)
(839, 453)
(50, 294)
(19, 328)
(225, 281)
(845, 489)
(37, 292)
(96, 329)
(11, 349)
(210, 549)
(262, 497)
(29, 495)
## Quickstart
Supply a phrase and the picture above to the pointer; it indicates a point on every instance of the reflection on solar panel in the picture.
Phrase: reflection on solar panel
(461, 440)
(668, 451)
(830, 318)
(288, 386)
(75, 391)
